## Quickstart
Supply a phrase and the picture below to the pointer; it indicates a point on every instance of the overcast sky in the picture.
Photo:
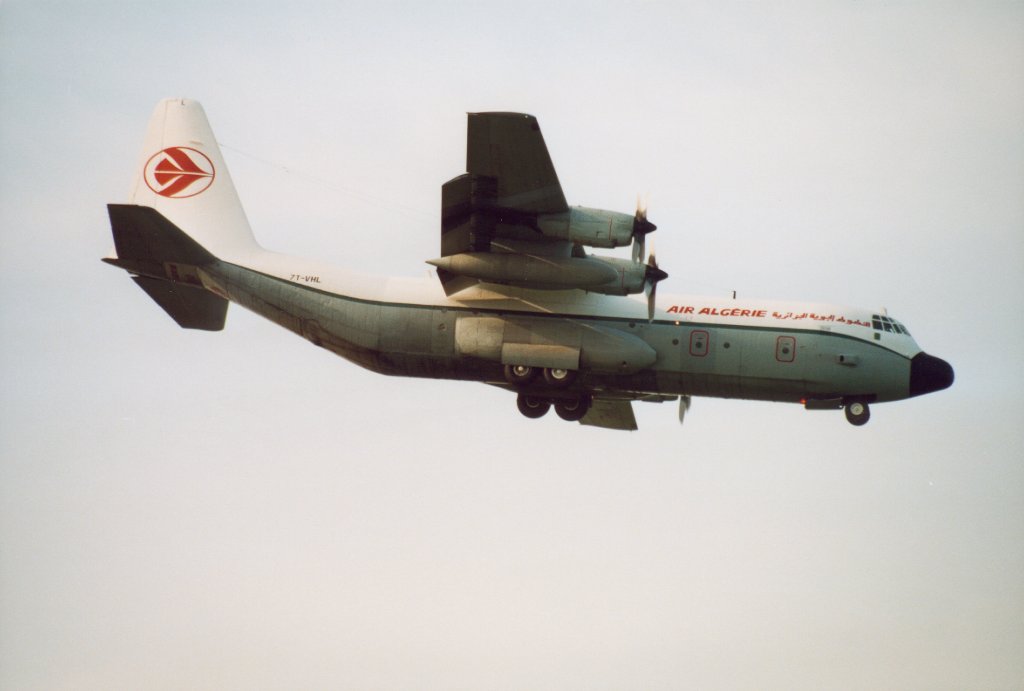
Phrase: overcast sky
(241, 510)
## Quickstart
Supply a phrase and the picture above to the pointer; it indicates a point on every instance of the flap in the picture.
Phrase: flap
(610, 414)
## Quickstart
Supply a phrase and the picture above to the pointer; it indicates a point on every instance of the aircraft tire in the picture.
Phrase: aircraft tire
(532, 407)
(559, 378)
(572, 410)
(857, 413)
(520, 375)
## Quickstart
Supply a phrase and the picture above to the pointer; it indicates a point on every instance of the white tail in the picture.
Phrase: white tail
(182, 175)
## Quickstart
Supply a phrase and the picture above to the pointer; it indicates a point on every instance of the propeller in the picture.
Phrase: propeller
(641, 227)
(652, 275)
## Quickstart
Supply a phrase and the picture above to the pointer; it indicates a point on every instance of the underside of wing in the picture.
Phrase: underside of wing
(509, 149)
(509, 183)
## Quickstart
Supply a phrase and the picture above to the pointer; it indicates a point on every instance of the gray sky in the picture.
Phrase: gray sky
(241, 510)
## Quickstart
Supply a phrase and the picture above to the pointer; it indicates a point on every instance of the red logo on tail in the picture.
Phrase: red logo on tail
(179, 172)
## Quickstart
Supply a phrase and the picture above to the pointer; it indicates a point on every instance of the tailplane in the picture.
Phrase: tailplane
(167, 264)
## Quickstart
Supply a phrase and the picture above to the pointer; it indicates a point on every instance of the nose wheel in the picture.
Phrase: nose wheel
(857, 413)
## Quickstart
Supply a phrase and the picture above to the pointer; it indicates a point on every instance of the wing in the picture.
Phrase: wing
(509, 148)
(505, 220)
(509, 182)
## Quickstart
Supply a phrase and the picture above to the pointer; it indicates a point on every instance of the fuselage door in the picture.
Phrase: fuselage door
(785, 348)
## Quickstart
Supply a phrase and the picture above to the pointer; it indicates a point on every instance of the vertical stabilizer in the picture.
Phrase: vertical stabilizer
(182, 175)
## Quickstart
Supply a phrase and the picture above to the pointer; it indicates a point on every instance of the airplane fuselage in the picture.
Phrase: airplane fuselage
(703, 347)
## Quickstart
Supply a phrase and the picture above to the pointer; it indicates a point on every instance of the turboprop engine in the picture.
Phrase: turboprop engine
(525, 235)
(589, 227)
(535, 271)
(472, 215)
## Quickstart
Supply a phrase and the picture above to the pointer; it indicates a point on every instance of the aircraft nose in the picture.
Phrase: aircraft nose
(929, 373)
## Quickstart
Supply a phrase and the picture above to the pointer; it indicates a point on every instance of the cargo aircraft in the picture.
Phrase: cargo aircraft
(518, 302)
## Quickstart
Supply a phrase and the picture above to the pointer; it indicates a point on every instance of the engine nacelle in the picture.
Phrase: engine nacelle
(590, 227)
(531, 271)
(629, 276)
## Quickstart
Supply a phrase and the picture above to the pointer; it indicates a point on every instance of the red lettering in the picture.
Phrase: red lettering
(673, 309)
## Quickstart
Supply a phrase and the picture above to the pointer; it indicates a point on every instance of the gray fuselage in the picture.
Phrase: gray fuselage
(693, 357)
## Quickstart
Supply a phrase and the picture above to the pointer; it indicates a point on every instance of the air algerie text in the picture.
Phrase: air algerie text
(763, 314)
(715, 312)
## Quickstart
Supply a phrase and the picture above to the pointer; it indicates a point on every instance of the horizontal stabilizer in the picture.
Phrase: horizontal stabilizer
(192, 307)
(610, 414)
(162, 260)
(145, 241)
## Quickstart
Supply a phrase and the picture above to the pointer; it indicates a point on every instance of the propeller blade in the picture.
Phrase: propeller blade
(641, 226)
(639, 246)
(684, 406)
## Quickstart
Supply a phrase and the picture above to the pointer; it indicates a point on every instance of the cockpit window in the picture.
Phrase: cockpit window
(883, 323)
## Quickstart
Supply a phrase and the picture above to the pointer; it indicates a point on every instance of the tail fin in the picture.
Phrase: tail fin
(183, 176)
(184, 215)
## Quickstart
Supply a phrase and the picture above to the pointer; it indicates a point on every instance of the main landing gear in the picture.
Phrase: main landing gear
(857, 413)
(555, 377)
(571, 409)
(520, 375)
(568, 406)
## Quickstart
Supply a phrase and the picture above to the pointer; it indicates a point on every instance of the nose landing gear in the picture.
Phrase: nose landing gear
(857, 413)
